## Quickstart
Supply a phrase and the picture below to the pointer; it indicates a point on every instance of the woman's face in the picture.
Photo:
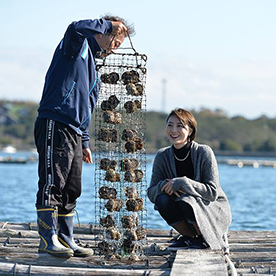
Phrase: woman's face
(176, 132)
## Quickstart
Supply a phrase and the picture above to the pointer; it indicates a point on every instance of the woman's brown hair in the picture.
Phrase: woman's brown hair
(187, 119)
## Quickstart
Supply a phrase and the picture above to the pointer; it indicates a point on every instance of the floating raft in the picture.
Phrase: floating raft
(252, 252)
(248, 162)
(9, 160)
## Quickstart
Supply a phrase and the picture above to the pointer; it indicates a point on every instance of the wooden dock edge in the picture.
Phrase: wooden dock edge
(251, 252)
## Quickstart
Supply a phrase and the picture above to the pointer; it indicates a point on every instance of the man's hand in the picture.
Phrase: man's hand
(118, 28)
(87, 155)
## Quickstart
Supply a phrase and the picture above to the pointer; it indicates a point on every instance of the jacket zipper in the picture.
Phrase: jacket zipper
(90, 91)
(69, 92)
(95, 81)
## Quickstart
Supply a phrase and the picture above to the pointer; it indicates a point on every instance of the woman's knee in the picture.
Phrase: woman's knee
(187, 211)
(163, 202)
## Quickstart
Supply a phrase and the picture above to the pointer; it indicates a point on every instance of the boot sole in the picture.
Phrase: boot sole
(177, 248)
(82, 255)
(57, 254)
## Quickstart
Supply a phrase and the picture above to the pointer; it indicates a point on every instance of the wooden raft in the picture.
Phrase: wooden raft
(252, 252)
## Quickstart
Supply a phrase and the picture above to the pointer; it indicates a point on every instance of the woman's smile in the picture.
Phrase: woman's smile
(176, 132)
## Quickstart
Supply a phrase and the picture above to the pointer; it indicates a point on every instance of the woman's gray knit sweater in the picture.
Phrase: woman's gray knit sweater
(204, 193)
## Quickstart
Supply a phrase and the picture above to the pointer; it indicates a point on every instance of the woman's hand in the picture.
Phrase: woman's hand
(168, 189)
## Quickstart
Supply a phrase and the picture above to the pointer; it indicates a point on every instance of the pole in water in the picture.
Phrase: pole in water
(164, 81)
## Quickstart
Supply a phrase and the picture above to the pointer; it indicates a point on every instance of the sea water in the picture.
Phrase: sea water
(251, 193)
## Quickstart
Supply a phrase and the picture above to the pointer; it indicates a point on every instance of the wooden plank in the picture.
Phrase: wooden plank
(248, 249)
(83, 228)
(95, 261)
(19, 269)
(84, 240)
(199, 263)
(257, 270)
(18, 233)
(251, 234)
(253, 256)
(254, 274)
(253, 247)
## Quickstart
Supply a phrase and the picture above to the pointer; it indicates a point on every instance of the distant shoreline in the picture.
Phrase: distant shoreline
(217, 152)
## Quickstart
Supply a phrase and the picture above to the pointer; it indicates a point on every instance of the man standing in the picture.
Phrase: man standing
(62, 127)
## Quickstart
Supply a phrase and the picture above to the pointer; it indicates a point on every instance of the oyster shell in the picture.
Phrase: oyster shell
(130, 77)
(110, 104)
(130, 234)
(106, 164)
(134, 205)
(113, 234)
(141, 233)
(130, 176)
(111, 78)
(138, 175)
(113, 101)
(139, 143)
(139, 88)
(112, 175)
(107, 192)
(112, 117)
(113, 205)
(134, 89)
(130, 146)
(129, 246)
(128, 134)
(114, 77)
(129, 221)
(138, 104)
(107, 221)
(129, 164)
(131, 192)
(107, 135)
(130, 107)
(134, 145)
(105, 78)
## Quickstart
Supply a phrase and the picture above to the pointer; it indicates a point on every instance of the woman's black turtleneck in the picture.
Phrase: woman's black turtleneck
(184, 168)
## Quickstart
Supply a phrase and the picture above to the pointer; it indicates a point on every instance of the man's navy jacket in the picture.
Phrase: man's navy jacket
(71, 86)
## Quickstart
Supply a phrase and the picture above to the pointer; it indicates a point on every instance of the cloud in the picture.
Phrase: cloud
(22, 75)
(239, 87)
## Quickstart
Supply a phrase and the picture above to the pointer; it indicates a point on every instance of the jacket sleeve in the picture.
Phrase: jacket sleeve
(208, 186)
(80, 30)
(158, 179)
(85, 139)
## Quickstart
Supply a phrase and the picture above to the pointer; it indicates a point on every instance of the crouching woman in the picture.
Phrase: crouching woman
(185, 187)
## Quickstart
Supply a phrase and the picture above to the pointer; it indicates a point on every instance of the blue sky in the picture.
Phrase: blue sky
(213, 54)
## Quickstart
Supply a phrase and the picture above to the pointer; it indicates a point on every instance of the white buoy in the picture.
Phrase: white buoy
(240, 164)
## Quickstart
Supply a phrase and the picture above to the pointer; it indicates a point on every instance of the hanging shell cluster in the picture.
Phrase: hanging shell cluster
(120, 169)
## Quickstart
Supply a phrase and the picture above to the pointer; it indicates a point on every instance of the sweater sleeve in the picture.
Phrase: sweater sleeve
(208, 186)
(158, 179)
(80, 30)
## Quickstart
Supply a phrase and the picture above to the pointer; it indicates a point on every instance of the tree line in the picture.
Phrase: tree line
(215, 128)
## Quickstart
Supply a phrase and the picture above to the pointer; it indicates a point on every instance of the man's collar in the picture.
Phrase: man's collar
(94, 46)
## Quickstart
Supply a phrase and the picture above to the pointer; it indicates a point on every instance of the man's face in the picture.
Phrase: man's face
(110, 43)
